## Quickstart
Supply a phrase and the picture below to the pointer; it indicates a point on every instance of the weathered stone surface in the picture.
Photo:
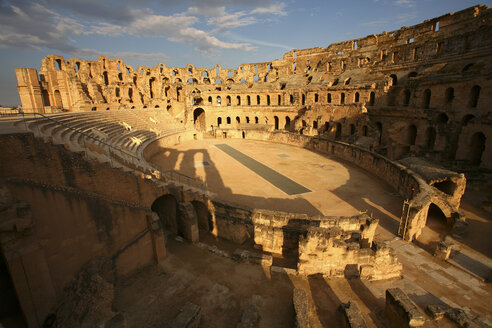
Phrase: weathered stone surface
(301, 306)
(401, 311)
(352, 317)
(189, 317)
(250, 257)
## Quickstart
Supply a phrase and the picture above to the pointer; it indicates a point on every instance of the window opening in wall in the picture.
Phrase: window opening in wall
(127, 71)
(334, 82)
(276, 122)
(338, 131)
(291, 98)
(315, 124)
(372, 98)
(241, 68)
(347, 81)
(219, 100)
(119, 69)
(258, 99)
(316, 97)
(238, 120)
(449, 95)
(287, 123)
(356, 98)
(268, 100)
(474, 95)
(303, 99)
(406, 95)
(416, 53)
(175, 72)
(120, 76)
(411, 135)
(327, 127)
(247, 119)
(58, 64)
(342, 98)
(356, 46)
(352, 129)
(228, 100)
(105, 75)
(210, 99)
(249, 100)
(410, 40)
(295, 54)
(329, 98)
(228, 120)
(364, 130)
(279, 100)
(439, 48)
(256, 119)
(436, 27)
(190, 70)
(395, 58)
(394, 79)
(217, 70)
(328, 67)
(219, 121)
(427, 98)
(339, 52)
(77, 67)
(412, 74)
(344, 65)
(238, 100)
(477, 147)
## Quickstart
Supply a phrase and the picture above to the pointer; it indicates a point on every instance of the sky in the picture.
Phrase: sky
(198, 32)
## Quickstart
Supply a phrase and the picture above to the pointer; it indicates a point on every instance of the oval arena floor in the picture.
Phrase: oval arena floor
(285, 178)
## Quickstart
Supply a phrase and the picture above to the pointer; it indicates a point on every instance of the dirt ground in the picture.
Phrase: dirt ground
(223, 287)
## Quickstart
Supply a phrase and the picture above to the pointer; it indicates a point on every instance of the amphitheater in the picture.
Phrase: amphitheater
(346, 186)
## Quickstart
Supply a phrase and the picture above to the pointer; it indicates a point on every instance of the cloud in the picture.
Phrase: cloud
(126, 55)
(273, 9)
(53, 24)
(405, 3)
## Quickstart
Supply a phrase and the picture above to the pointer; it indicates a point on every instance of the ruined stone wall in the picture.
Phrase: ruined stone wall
(425, 88)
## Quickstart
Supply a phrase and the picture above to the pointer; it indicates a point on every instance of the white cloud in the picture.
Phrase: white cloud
(273, 9)
(405, 3)
(126, 55)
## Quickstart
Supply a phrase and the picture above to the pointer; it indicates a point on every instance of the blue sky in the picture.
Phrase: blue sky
(201, 32)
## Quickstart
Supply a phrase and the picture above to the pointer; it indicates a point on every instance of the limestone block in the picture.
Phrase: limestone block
(351, 315)
(401, 311)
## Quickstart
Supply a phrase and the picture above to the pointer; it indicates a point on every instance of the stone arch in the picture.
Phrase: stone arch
(427, 98)
(166, 207)
(203, 215)
(477, 147)
(219, 121)
(449, 96)
(437, 220)
(411, 135)
(199, 119)
(474, 95)
(287, 123)
(338, 131)
(372, 98)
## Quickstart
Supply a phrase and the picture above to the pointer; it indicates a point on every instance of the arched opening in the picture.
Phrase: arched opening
(411, 135)
(249, 100)
(228, 120)
(352, 129)
(228, 100)
(258, 100)
(219, 121)
(106, 80)
(327, 127)
(243, 135)
(268, 100)
(219, 100)
(238, 100)
(256, 119)
(338, 132)
(238, 120)
(58, 99)
(364, 130)
(279, 100)
(10, 310)
(117, 92)
(477, 146)
(406, 97)
(372, 98)
(287, 123)
(315, 124)
(356, 97)
(203, 215)
(474, 95)
(328, 98)
(276, 122)
(199, 119)
(58, 64)
(166, 208)
(430, 138)
(342, 98)
(291, 99)
(437, 221)
(449, 96)
(303, 99)
(247, 119)
(46, 97)
(394, 79)
(316, 97)
(427, 99)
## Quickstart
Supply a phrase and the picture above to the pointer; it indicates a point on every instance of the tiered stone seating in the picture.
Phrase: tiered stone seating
(128, 131)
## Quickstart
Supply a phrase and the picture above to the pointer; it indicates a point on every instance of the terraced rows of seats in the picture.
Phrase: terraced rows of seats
(127, 130)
